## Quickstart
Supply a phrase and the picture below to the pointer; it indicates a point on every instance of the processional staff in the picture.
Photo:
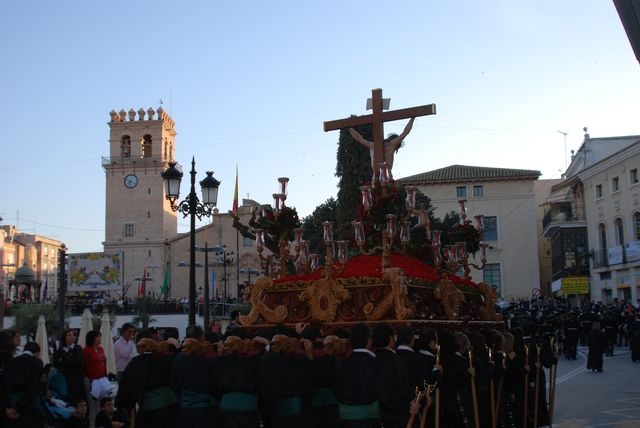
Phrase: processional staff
(492, 392)
(552, 388)
(526, 385)
(474, 394)
(500, 386)
(537, 388)
(417, 399)
(430, 389)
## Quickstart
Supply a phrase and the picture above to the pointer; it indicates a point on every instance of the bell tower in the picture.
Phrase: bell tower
(139, 220)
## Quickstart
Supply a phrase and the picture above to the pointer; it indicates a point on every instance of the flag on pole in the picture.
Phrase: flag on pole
(165, 285)
(143, 285)
(234, 210)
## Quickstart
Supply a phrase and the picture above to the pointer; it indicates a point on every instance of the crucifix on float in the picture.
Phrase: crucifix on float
(377, 148)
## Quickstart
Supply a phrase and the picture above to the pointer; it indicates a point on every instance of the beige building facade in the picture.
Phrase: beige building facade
(506, 198)
(39, 253)
(612, 203)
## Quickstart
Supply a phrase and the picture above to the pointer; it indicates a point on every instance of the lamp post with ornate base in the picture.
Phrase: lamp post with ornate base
(192, 207)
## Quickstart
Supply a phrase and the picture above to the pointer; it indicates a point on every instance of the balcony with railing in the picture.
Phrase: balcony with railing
(618, 255)
(561, 216)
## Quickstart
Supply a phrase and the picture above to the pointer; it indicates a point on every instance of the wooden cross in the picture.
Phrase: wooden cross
(377, 119)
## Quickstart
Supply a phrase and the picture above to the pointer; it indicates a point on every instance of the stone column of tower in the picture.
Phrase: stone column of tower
(139, 220)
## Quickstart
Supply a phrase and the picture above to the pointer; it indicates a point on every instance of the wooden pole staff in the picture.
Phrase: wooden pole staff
(526, 387)
(492, 393)
(474, 394)
(552, 387)
(537, 388)
(423, 423)
(500, 386)
(417, 398)
(133, 417)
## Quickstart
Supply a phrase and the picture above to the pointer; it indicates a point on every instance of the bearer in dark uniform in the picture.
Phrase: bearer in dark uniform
(416, 366)
(571, 334)
(395, 411)
(146, 382)
(24, 387)
(323, 377)
(539, 344)
(359, 385)
(237, 384)
(192, 377)
(285, 384)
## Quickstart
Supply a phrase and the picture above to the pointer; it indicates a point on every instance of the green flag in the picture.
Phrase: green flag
(165, 285)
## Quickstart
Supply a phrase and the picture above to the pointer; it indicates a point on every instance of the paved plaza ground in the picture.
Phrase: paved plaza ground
(607, 399)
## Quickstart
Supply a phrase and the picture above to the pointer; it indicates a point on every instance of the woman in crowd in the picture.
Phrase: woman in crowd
(146, 382)
(69, 361)
(95, 360)
(237, 384)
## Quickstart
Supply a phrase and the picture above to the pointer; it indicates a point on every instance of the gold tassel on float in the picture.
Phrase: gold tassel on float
(474, 394)
(526, 386)
(537, 388)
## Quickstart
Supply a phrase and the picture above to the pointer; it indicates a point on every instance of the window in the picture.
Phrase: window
(636, 223)
(125, 146)
(490, 228)
(46, 250)
(478, 191)
(461, 192)
(491, 275)
(598, 191)
(615, 184)
(633, 176)
(247, 242)
(128, 229)
(605, 275)
(146, 146)
(619, 231)
(602, 232)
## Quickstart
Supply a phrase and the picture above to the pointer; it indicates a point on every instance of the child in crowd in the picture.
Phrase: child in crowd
(107, 417)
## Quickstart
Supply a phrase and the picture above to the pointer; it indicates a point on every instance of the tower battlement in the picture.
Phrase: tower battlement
(141, 115)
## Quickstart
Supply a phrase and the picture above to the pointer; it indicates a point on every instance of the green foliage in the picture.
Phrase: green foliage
(353, 168)
(26, 316)
(96, 320)
(312, 224)
(144, 306)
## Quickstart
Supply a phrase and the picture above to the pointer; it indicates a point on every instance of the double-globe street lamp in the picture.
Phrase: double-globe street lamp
(191, 206)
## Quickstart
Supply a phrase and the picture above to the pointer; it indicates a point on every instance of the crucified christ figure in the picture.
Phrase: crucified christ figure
(390, 147)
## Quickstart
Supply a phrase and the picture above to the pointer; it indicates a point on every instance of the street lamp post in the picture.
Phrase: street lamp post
(191, 206)
(226, 261)
(62, 283)
(207, 250)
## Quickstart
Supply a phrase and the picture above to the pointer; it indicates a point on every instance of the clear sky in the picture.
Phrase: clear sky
(251, 82)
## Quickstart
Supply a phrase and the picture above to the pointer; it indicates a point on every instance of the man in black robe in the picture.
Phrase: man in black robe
(284, 379)
(22, 381)
(360, 389)
(394, 412)
(596, 342)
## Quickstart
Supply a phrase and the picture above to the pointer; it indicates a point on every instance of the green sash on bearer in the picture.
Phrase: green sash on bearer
(323, 397)
(190, 399)
(359, 412)
(288, 406)
(158, 398)
(239, 402)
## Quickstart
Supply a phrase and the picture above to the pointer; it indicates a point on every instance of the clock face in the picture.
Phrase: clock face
(130, 181)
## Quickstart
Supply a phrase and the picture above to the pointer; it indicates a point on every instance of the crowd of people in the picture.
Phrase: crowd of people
(304, 375)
